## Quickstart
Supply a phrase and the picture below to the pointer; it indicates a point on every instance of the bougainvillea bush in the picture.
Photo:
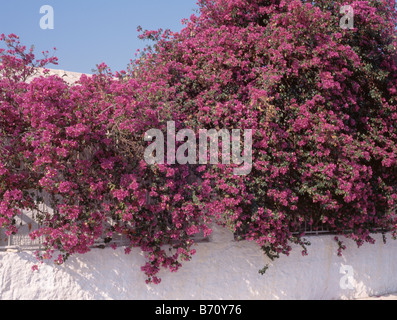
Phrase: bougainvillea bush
(320, 99)
(64, 146)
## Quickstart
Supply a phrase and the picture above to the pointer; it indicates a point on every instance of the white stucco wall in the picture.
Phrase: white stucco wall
(68, 76)
(221, 269)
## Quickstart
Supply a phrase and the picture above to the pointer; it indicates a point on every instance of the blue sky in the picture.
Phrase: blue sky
(88, 32)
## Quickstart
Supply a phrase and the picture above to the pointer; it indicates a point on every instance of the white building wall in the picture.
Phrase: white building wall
(221, 270)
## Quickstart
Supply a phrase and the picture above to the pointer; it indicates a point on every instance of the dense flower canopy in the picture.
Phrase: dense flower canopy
(320, 99)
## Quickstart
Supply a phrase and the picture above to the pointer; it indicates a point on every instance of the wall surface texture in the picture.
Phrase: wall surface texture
(221, 269)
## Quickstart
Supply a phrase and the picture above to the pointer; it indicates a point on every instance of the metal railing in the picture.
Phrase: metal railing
(27, 224)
